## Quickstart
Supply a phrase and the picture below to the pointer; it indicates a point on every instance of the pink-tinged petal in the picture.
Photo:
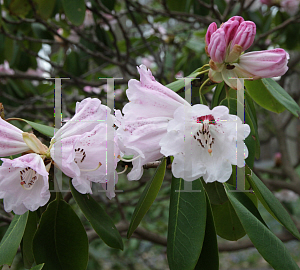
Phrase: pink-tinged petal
(265, 64)
(290, 6)
(230, 27)
(217, 46)
(245, 35)
(24, 183)
(92, 160)
(11, 140)
(210, 30)
(149, 98)
(239, 19)
(89, 112)
(141, 138)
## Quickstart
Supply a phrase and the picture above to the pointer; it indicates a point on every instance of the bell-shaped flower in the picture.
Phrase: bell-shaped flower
(11, 140)
(204, 142)
(24, 183)
(91, 156)
(225, 47)
(88, 114)
(79, 148)
(145, 120)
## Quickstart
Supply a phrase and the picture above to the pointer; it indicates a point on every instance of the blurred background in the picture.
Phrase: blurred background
(88, 40)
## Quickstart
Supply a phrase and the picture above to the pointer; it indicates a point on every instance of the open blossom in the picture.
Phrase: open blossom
(83, 141)
(204, 142)
(24, 183)
(225, 46)
(11, 140)
(145, 120)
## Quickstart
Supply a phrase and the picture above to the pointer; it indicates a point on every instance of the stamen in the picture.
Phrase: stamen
(91, 170)
(126, 167)
(128, 160)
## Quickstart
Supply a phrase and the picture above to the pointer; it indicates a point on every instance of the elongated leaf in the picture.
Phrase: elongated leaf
(12, 239)
(271, 203)
(45, 8)
(180, 83)
(217, 96)
(61, 241)
(38, 267)
(252, 113)
(46, 130)
(282, 96)
(228, 225)
(100, 221)
(147, 198)
(186, 227)
(74, 10)
(216, 192)
(209, 257)
(26, 245)
(261, 95)
(267, 244)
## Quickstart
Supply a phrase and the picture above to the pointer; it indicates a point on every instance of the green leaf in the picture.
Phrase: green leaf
(147, 198)
(282, 96)
(61, 241)
(216, 192)
(219, 94)
(271, 203)
(180, 83)
(26, 244)
(227, 223)
(74, 10)
(45, 8)
(12, 239)
(209, 257)
(249, 141)
(38, 267)
(110, 4)
(46, 130)
(267, 244)
(19, 7)
(177, 5)
(252, 113)
(186, 227)
(100, 221)
(261, 95)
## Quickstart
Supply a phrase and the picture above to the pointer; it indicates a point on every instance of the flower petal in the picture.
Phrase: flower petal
(11, 140)
(265, 64)
(28, 170)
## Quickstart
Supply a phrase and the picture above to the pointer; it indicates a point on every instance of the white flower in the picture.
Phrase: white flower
(80, 146)
(145, 120)
(203, 142)
(24, 183)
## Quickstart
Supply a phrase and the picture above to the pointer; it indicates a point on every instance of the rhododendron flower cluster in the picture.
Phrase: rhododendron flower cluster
(156, 122)
(225, 46)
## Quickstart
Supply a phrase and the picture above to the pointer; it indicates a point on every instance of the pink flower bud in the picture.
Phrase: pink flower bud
(210, 30)
(244, 35)
(230, 27)
(217, 47)
(237, 18)
(265, 64)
